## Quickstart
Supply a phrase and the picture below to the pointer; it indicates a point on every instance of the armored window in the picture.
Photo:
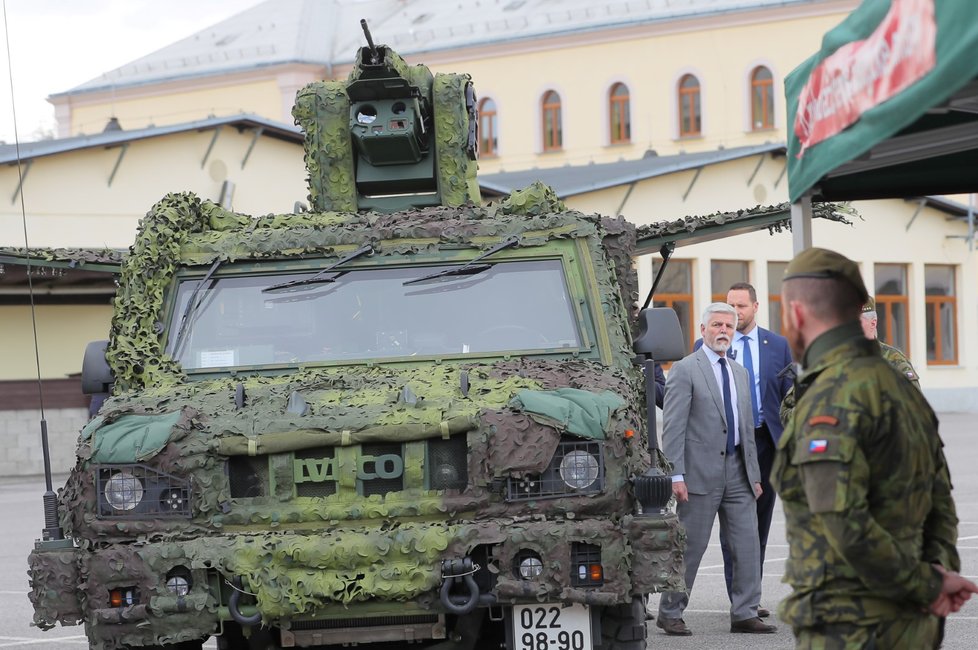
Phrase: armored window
(690, 122)
(620, 114)
(942, 306)
(553, 137)
(893, 306)
(775, 271)
(676, 291)
(761, 99)
(488, 128)
(723, 274)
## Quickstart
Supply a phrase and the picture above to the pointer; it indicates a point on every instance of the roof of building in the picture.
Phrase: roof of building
(9, 153)
(326, 32)
(570, 180)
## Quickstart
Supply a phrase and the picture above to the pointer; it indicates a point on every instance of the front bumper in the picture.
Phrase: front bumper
(335, 571)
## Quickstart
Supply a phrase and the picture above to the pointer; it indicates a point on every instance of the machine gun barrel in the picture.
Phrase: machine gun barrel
(374, 56)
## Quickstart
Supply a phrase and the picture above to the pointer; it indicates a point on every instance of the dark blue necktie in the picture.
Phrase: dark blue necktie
(727, 406)
(749, 364)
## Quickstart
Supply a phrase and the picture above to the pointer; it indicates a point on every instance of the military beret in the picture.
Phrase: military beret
(823, 263)
(870, 305)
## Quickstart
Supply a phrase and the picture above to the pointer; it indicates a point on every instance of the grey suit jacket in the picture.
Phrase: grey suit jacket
(694, 431)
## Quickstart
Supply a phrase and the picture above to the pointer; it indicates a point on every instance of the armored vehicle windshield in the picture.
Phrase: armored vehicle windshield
(262, 316)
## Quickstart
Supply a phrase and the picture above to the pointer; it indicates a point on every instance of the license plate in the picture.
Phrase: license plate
(552, 627)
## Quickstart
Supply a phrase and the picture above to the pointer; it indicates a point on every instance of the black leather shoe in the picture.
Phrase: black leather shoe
(752, 626)
(674, 626)
(763, 612)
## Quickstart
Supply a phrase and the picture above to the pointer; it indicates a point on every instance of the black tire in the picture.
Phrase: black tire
(623, 626)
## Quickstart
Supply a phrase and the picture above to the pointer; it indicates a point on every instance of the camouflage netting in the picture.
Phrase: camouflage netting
(71, 256)
(305, 555)
(838, 212)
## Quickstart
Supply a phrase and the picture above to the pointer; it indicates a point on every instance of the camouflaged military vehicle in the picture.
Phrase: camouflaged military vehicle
(400, 416)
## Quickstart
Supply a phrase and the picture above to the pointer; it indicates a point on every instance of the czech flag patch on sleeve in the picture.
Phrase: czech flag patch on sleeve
(817, 446)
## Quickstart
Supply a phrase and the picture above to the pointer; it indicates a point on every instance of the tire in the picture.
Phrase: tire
(623, 626)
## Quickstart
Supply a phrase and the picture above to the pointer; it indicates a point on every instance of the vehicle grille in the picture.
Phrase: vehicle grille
(317, 489)
(379, 469)
(248, 476)
(447, 463)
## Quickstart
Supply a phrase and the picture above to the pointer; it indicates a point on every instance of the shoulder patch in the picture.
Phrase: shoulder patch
(830, 420)
(818, 446)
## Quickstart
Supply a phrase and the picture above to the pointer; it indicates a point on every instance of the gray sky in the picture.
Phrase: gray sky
(55, 45)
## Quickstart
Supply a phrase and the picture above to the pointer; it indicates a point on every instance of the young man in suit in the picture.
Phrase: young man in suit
(708, 435)
(764, 355)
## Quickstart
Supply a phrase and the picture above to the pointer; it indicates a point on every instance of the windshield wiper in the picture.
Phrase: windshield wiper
(318, 278)
(192, 306)
(469, 268)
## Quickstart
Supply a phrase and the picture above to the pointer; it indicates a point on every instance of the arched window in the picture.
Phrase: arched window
(619, 113)
(488, 128)
(690, 122)
(553, 137)
(761, 98)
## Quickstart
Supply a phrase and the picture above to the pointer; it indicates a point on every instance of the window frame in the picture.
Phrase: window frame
(885, 303)
(766, 89)
(488, 135)
(932, 307)
(694, 94)
(670, 299)
(619, 105)
(774, 306)
(555, 109)
(716, 296)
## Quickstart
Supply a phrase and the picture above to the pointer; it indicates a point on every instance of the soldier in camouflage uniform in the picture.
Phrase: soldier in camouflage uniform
(871, 525)
(869, 319)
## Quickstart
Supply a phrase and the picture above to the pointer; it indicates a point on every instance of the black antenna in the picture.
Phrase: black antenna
(51, 530)
(374, 54)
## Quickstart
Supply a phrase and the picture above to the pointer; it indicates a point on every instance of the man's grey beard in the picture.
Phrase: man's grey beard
(720, 346)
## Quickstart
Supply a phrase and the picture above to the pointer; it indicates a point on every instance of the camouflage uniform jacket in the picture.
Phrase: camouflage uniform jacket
(866, 490)
(899, 360)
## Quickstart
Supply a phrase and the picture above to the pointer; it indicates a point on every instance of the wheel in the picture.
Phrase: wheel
(623, 626)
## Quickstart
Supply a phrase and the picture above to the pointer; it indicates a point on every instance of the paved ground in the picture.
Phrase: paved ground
(20, 514)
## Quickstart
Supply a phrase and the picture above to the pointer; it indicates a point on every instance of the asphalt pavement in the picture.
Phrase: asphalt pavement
(707, 616)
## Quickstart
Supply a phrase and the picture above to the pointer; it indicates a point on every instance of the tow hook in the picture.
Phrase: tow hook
(459, 571)
(236, 590)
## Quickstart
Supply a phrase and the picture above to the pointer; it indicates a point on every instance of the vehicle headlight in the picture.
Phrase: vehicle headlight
(123, 491)
(579, 469)
(528, 564)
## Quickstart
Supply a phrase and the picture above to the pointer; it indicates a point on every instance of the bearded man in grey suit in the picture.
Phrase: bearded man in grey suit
(708, 434)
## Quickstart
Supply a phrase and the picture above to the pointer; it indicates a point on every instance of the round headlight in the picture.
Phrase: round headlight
(123, 491)
(530, 567)
(178, 586)
(579, 469)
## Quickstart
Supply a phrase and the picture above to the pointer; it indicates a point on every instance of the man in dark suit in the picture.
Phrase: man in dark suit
(764, 355)
(708, 435)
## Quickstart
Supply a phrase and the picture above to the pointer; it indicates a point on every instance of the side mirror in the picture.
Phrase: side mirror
(659, 334)
(96, 374)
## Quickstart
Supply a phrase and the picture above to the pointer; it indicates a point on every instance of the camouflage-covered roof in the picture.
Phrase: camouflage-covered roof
(92, 259)
(699, 229)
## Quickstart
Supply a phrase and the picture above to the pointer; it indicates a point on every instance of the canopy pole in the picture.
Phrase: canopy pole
(801, 223)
